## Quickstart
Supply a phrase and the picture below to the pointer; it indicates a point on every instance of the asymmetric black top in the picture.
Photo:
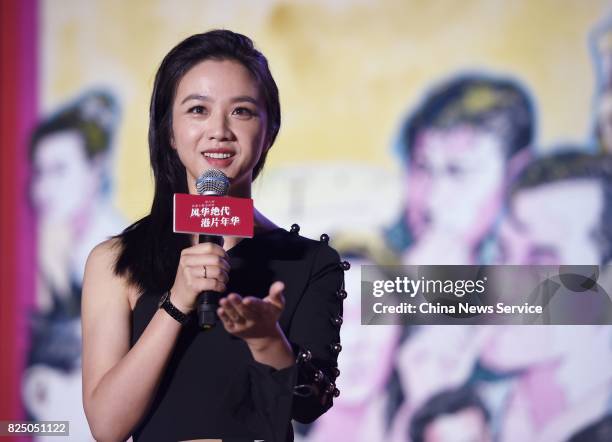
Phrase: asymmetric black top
(212, 386)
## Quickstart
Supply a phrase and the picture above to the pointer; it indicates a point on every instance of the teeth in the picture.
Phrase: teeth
(220, 156)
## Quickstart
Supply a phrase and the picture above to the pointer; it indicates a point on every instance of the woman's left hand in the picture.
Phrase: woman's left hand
(251, 318)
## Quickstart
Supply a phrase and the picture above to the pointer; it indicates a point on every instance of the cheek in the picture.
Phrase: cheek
(486, 204)
(252, 139)
(39, 196)
(480, 194)
(182, 133)
(417, 185)
(258, 135)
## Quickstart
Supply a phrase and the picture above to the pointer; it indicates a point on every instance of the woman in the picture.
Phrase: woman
(70, 191)
(146, 371)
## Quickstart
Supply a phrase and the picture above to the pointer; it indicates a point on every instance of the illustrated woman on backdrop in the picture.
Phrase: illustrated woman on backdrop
(148, 370)
(71, 153)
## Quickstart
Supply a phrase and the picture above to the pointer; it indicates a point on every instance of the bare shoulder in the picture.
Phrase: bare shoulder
(100, 279)
(104, 255)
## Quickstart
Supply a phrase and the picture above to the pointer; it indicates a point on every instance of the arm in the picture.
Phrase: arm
(119, 383)
(315, 336)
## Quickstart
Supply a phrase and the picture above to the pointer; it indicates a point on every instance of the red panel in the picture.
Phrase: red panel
(8, 270)
(18, 31)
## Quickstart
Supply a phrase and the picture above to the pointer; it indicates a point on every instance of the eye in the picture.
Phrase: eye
(421, 166)
(455, 170)
(199, 109)
(243, 112)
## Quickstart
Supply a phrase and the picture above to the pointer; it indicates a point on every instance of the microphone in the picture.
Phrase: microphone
(212, 182)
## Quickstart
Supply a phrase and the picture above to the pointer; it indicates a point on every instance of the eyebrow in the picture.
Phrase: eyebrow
(237, 99)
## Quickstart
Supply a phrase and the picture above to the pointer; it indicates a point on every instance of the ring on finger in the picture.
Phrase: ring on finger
(205, 272)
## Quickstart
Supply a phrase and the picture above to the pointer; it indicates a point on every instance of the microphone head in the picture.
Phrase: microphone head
(213, 182)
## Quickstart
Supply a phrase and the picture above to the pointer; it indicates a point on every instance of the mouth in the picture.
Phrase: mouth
(219, 157)
(219, 153)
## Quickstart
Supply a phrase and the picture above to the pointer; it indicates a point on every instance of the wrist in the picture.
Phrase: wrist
(273, 350)
(178, 304)
(260, 344)
(166, 304)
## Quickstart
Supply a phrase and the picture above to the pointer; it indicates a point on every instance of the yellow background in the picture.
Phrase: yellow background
(347, 70)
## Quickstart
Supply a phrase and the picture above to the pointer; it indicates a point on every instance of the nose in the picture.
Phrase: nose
(441, 191)
(218, 127)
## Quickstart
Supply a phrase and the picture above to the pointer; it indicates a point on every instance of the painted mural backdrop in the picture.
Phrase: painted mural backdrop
(436, 132)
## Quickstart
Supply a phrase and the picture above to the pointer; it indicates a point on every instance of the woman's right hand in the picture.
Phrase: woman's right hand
(202, 267)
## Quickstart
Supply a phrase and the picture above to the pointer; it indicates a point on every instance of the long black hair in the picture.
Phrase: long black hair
(149, 249)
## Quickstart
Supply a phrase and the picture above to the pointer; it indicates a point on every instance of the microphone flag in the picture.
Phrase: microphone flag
(213, 215)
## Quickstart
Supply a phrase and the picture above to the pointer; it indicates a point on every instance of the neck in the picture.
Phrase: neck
(240, 189)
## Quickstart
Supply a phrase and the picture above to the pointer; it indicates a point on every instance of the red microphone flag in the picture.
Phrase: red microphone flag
(213, 215)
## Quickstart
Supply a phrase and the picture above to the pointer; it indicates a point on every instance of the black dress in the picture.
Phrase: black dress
(212, 386)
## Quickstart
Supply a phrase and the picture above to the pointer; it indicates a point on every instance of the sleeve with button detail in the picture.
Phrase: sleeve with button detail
(314, 334)
(305, 390)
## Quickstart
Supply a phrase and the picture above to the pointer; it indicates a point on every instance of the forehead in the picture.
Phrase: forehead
(218, 79)
(462, 142)
(65, 144)
(572, 204)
